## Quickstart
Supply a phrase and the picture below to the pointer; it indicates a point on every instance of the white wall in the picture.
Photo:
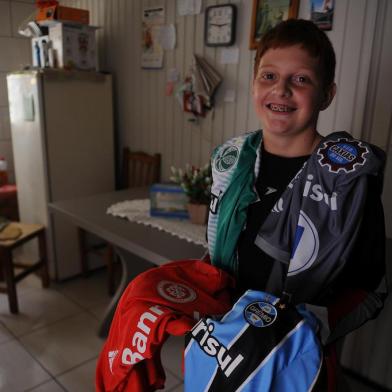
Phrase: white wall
(15, 52)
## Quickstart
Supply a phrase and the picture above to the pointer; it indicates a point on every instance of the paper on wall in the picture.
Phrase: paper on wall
(188, 7)
(154, 15)
(229, 95)
(230, 56)
(167, 37)
(152, 51)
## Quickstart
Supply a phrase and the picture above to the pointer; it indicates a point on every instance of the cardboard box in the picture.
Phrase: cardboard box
(40, 50)
(74, 46)
(63, 14)
(168, 201)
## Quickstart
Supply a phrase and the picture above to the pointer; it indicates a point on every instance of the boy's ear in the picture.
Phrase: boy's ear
(328, 96)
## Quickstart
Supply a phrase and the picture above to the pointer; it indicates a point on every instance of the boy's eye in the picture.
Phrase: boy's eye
(268, 76)
(300, 79)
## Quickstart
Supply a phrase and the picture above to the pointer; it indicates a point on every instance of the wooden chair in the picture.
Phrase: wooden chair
(138, 169)
(26, 232)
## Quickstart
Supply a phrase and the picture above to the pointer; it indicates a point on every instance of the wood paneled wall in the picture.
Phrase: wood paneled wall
(149, 120)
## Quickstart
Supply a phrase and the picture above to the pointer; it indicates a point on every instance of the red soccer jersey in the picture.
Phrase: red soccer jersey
(160, 302)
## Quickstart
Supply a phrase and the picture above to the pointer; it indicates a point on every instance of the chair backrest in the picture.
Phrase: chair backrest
(140, 169)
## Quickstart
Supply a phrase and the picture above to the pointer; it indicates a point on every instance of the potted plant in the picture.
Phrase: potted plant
(196, 183)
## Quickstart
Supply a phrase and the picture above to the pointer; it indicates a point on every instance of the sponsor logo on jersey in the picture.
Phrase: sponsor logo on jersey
(306, 245)
(342, 155)
(260, 314)
(227, 158)
(111, 356)
(314, 192)
(176, 292)
(139, 340)
(202, 333)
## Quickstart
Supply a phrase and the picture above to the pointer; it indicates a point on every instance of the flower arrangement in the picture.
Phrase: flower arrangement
(196, 182)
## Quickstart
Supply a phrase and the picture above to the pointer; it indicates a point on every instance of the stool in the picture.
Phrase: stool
(28, 232)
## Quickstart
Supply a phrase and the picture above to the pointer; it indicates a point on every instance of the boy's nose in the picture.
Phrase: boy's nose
(282, 88)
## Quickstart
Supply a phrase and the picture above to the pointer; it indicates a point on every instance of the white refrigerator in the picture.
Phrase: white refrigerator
(63, 147)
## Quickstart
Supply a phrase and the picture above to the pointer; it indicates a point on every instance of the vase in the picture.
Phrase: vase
(198, 213)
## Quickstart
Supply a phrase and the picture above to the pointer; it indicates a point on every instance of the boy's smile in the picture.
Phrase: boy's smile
(287, 91)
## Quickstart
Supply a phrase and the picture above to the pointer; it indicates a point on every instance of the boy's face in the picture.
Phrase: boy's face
(288, 93)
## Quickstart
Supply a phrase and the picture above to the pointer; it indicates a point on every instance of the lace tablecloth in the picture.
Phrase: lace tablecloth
(139, 211)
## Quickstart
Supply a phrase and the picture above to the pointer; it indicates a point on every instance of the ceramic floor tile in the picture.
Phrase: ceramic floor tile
(30, 282)
(80, 379)
(87, 292)
(99, 311)
(65, 344)
(171, 381)
(5, 335)
(50, 386)
(18, 370)
(37, 308)
(171, 354)
(180, 388)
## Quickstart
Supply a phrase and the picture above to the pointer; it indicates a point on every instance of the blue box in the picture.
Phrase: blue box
(168, 201)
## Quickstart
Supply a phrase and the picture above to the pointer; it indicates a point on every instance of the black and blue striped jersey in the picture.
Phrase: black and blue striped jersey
(256, 346)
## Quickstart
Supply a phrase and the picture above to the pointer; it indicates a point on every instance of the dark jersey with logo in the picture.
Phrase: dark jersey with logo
(259, 271)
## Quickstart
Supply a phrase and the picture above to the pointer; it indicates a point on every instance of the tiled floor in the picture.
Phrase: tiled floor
(52, 344)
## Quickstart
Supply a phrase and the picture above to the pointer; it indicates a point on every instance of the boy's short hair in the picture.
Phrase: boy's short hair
(306, 34)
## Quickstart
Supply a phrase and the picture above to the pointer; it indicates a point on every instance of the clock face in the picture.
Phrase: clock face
(220, 25)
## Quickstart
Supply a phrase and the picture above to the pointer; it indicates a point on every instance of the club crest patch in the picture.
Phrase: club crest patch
(260, 314)
(227, 158)
(176, 292)
(342, 155)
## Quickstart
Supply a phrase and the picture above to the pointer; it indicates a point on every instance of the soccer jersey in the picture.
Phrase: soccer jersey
(255, 347)
(160, 302)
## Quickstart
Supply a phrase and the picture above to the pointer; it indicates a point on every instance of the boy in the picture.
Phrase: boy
(293, 213)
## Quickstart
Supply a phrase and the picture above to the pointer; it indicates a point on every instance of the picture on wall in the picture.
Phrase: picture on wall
(321, 13)
(152, 51)
(267, 14)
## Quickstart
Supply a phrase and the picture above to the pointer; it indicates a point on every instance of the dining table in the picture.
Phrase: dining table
(133, 242)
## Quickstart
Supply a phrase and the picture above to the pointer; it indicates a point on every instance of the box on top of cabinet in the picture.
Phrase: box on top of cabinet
(63, 14)
(74, 46)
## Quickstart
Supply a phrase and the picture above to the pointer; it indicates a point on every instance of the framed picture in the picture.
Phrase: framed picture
(268, 13)
(321, 13)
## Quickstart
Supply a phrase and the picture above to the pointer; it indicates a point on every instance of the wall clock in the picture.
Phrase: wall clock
(219, 28)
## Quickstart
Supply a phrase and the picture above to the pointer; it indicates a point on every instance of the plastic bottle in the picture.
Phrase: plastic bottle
(3, 172)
